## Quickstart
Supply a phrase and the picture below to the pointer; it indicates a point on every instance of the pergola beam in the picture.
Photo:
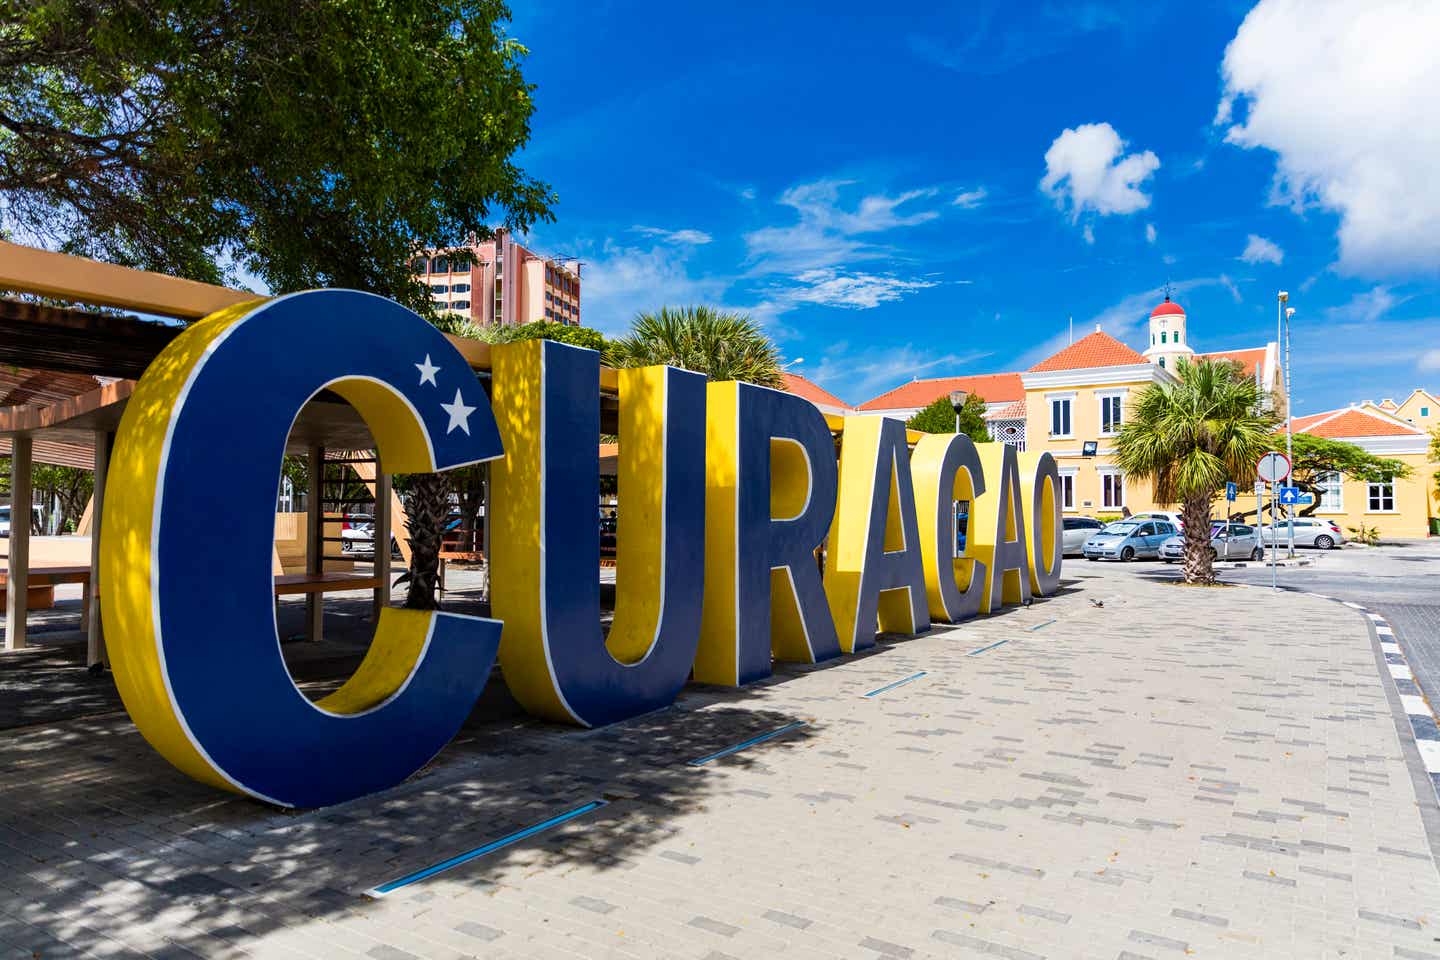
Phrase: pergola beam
(17, 605)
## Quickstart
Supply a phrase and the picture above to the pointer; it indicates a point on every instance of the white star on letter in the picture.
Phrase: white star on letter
(427, 372)
(459, 414)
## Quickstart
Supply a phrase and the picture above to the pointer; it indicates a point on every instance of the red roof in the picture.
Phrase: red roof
(1249, 360)
(1168, 309)
(991, 387)
(798, 385)
(1353, 422)
(1099, 349)
(1015, 411)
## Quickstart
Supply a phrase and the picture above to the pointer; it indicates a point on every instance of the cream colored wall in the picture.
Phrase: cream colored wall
(1415, 503)
(1084, 425)
(1410, 410)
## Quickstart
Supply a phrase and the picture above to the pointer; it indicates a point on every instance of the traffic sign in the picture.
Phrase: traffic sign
(1273, 467)
(1289, 495)
(1232, 490)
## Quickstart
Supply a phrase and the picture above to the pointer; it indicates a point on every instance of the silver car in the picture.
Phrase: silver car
(1077, 531)
(1129, 539)
(1228, 541)
(1309, 532)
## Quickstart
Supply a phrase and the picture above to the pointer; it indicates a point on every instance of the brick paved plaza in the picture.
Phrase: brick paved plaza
(1177, 772)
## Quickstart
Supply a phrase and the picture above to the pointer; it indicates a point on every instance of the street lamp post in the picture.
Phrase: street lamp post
(1289, 445)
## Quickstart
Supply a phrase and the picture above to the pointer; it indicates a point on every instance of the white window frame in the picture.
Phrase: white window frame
(1117, 483)
(1052, 399)
(1370, 497)
(1106, 396)
(1331, 483)
(1067, 486)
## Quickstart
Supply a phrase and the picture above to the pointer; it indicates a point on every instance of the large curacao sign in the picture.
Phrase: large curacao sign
(729, 490)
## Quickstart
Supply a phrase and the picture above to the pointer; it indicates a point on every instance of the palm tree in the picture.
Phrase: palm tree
(1190, 437)
(719, 343)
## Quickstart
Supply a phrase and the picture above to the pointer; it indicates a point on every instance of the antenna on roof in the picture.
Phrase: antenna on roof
(1072, 328)
(1167, 291)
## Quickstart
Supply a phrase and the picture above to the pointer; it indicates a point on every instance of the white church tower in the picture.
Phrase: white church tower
(1168, 338)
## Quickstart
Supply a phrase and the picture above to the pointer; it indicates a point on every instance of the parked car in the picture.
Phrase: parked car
(1169, 516)
(4, 521)
(1228, 541)
(1077, 531)
(1309, 532)
(1128, 539)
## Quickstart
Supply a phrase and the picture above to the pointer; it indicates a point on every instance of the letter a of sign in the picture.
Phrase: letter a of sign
(191, 628)
(997, 527)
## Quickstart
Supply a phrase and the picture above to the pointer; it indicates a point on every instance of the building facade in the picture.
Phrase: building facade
(501, 281)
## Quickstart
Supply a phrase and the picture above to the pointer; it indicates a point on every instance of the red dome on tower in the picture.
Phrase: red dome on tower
(1168, 309)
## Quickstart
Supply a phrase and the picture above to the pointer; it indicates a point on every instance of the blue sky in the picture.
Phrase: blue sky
(913, 190)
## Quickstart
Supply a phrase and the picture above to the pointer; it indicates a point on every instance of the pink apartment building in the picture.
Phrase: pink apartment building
(505, 283)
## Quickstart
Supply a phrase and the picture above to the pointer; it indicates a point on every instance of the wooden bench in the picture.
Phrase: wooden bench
(457, 556)
(42, 581)
(295, 584)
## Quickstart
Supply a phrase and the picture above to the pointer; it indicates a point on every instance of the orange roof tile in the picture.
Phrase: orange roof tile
(1354, 422)
(991, 387)
(1098, 349)
(798, 385)
(1014, 411)
(1249, 360)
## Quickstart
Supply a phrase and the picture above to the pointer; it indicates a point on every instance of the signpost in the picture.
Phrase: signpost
(1273, 468)
(1232, 490)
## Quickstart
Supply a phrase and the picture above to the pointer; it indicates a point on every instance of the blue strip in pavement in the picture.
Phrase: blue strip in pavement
(990, 647)
(1039, 625)
(897, 683)
(491, 847)
(747, 743)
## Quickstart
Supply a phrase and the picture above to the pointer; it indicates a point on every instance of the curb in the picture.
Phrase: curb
(1422, 717)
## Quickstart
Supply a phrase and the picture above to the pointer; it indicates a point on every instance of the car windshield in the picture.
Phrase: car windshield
(1122, 526)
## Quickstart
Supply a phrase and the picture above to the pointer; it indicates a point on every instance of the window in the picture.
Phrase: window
(439, 265)
(416, 266)
(438, 304)
(1110, 414)
(460, 288)
(1060, 417)
(1112, 490)
(1162, 336)
(549, 314)
(1067, 491)
(439, 288)
(1381, 498)
(460, 305)
(1162, 362)
(1177, 336)
(1332, 490)
(1424, 411)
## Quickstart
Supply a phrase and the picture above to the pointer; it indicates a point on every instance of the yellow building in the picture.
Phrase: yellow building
(1399, 509)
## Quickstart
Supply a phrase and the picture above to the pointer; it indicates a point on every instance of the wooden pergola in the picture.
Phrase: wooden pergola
(66, 373)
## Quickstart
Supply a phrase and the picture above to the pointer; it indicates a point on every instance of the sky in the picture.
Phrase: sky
(900, 191)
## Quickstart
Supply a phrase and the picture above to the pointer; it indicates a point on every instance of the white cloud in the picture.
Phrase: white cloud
(1430, 361)
(1345, 95)
(858, 375)
(970, 199)
(832, 288)
(1366, 307)
(1150, 233)
(1087, 168)
(1260, 250)
(1089, 234)
(828, 233)
(686, 236)
(621, 280)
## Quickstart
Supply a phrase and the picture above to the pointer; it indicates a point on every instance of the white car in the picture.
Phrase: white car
(1169, 516)
(1309, 532)
(4, 521)
(1077, 531)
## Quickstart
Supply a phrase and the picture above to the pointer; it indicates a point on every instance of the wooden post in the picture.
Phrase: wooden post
(18, 563)
(382, 537)
(95, 639)
(315, 544)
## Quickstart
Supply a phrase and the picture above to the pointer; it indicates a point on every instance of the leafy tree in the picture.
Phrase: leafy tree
(1190, 437)
(50, 484)
(719, 343)
(1435, 454)
(313, 142)
(941, 416)
(587, 337)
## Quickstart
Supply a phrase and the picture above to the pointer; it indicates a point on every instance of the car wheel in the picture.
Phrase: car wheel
(1257, 554)
(1092, 559)
(1127, 554)
(1323, 542)
(1167, 561)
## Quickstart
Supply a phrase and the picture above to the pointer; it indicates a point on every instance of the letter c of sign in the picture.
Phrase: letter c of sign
(188, 531)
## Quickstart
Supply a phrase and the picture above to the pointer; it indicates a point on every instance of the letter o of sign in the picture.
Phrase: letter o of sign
(188, 531)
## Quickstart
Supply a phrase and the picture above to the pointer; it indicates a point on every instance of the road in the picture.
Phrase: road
(1401, 582)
